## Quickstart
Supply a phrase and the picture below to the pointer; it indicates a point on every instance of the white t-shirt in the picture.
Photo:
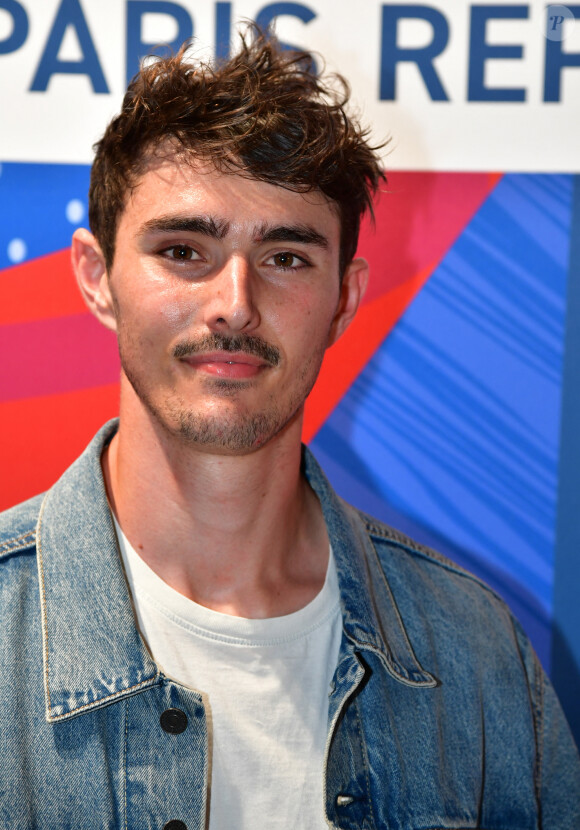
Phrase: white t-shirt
(265, 684)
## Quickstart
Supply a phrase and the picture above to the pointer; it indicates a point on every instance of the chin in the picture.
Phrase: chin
(224, 427)
(227, 435)
(223, 432)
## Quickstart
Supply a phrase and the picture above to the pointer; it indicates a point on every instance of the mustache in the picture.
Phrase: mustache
(237, 343)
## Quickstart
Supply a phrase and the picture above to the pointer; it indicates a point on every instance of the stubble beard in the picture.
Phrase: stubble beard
(234, 432)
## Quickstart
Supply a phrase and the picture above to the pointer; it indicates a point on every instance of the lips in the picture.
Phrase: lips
(237, 365)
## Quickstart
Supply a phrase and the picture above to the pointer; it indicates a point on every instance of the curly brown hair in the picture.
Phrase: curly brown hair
(264, 114)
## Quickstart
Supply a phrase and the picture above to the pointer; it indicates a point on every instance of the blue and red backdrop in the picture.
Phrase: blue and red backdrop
(450, 407)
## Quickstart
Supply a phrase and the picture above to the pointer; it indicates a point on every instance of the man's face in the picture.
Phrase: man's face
(224, 293)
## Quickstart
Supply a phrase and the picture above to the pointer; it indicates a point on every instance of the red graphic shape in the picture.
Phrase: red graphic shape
(43, 436)
(41, 288)
(45, 357)
(418, 219)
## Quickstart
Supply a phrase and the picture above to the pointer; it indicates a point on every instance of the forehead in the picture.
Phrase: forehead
(171, 184)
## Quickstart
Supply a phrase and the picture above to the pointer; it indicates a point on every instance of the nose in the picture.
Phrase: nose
(231, 304)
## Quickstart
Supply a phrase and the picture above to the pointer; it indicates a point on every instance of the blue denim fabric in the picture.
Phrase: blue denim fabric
(440, 715)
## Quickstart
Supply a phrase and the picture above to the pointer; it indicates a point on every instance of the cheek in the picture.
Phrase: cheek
(312, 318)
(163, 310)
(307, 308)
(175, 311)
(148, 300)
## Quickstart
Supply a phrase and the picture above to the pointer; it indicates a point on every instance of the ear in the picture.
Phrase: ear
(90, 270)
(352, 289)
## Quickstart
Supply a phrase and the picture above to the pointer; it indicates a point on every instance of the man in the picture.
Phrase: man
(196, 631)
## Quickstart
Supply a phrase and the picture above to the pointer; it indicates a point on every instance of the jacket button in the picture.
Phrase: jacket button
(174, 721)
(175, 824)
(344, 800)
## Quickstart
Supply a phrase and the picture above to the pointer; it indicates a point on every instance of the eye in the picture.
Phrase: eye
(286, 260)
(180, 253)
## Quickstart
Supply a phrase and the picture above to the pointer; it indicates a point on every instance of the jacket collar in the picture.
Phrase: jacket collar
(93, 653)
(371, 619)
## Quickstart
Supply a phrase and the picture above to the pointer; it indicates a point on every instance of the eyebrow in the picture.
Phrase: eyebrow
(302, 234)
(205, 225)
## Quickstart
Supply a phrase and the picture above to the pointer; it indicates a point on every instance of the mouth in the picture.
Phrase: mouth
(239, 357)
(237, 366)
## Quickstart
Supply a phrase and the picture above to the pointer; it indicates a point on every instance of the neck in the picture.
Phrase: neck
(242, 534)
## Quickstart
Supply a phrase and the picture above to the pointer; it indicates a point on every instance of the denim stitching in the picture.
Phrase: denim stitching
(125, 762)
(44, 616)
(108, 698)
(22, 541)
(399, 672)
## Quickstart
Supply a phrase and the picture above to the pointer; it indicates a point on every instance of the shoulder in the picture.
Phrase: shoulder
(388, 538)
(455, 622)
(436, 588)
(18, 527)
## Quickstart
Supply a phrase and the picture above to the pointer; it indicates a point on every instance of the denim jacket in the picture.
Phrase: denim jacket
(440, 716)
